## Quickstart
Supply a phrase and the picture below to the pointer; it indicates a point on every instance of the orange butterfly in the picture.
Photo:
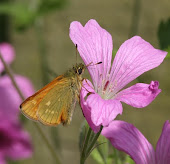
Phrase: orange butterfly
(55, 103)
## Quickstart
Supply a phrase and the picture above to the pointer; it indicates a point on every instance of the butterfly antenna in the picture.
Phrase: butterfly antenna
(91, 64)
(76, 54)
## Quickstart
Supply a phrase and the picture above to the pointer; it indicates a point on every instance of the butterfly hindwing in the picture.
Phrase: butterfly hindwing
(58, 105)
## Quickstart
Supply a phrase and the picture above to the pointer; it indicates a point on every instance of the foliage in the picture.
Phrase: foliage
(50, 5)
(24, 15)
(164, 34)
(168, 55)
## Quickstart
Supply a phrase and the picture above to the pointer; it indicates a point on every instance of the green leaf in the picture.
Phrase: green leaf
(109, 160)
(46, 6)
(97, 156)
(103, 148)
(114, 52)
(112, 159)
(164, 34)
(100, 153)
(116, 156)
(168, 55)
(129, 160)
(83, 131)
(22, 15)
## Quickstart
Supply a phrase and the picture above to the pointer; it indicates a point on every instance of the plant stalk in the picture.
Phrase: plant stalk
(88, 146)
(50, 147)
(42, 50)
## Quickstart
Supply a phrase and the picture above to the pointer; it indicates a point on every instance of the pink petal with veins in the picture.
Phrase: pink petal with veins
(163, 146)
(87, 89)
(127, 138)
(94, 45)
(134, 57)
(140, 94)
(98, 110)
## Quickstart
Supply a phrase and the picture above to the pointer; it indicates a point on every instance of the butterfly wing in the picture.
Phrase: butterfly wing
(58, 104)
(30, 106)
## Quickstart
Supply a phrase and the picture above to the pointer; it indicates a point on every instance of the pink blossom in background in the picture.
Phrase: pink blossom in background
(127, 138)
(9, 97)
(15, 143)
(8, 54)
(134, 57)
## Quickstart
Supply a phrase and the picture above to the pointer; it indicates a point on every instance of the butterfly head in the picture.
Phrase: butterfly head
(79, 68)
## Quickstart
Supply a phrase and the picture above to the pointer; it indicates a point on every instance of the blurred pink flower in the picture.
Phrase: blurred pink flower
(127, 138)
(134, 57)
(15, 143)
(10, 99)
(8, 54)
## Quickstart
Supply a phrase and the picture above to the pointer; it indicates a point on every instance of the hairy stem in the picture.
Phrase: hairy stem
(88, 146)
(50, 147)
(83, 155)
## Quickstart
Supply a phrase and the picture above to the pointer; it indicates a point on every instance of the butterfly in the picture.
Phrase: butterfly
(55, 102)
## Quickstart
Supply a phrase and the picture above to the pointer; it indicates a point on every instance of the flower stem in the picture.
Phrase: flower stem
(93, 142)
(42, 50)
(50, 147)
(88, 145)
(115, 156)
(82, 158)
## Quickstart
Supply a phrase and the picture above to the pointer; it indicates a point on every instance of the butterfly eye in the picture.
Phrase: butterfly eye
(79, 71)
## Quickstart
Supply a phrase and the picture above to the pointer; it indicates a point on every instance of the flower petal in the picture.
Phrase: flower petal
(87, 88)
(8, 54)
(10, 99)
(163, 145)
(21, 147)
(127, 138)
(94, 45)
(2, 159)
(140, 94)
(134, 57)
(15, 142)
(102, 111)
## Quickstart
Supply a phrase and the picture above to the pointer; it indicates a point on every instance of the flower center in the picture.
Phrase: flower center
(107, 91)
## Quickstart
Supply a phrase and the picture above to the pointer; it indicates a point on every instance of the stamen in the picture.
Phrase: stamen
(105, 87)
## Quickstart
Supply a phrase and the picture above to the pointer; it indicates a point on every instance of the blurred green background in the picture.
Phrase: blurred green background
(39, 31)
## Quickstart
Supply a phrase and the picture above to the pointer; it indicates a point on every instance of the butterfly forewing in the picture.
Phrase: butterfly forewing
(58, 108)
(30, 106)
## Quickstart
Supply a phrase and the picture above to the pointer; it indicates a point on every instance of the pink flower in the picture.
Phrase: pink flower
(8, 54)
(127, 138)
(134, 57)
(15, 143)
(10, 99)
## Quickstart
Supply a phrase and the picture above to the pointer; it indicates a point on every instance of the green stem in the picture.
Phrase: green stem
(42, 50)
(88, 146)
(93, 142)
(116, 156)
(10, 74)
(82, 158)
